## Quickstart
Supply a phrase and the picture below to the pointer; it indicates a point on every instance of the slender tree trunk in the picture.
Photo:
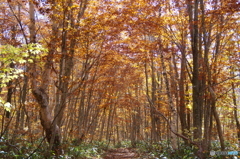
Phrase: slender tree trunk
(10, 92)
(197, 96)
(66, 61)
(173, 111)
(151, 103)
(219, 127)
(206, 80)
(235, 111)
(182, 103)
(102, 125)
(23, 110)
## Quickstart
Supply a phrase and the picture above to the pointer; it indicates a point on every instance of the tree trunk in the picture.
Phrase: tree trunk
(173, 111)
(235, 111)
(182, 103)
(151, 102)
(39, 92)
(197, 96)
(219, 128)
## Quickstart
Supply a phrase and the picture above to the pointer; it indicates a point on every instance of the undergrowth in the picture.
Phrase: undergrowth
(23, 149)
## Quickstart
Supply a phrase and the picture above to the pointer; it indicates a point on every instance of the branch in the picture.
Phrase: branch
(169, 125)
(19, 22)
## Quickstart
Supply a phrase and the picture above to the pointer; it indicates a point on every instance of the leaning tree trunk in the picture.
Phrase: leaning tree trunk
(40, 91)
(71, 19)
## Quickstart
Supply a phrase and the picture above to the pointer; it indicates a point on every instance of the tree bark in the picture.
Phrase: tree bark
(235, 110)
(39, 92)
(173, 111)
(182, 103)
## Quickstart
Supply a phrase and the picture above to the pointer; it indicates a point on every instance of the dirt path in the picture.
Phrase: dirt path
(121, 153)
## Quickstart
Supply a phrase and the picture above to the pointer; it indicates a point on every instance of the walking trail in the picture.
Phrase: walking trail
(121, 153)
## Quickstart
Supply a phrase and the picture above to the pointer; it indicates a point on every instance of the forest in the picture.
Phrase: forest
(96, 78)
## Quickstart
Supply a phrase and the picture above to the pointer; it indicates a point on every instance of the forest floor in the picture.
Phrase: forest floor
(121, 153)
